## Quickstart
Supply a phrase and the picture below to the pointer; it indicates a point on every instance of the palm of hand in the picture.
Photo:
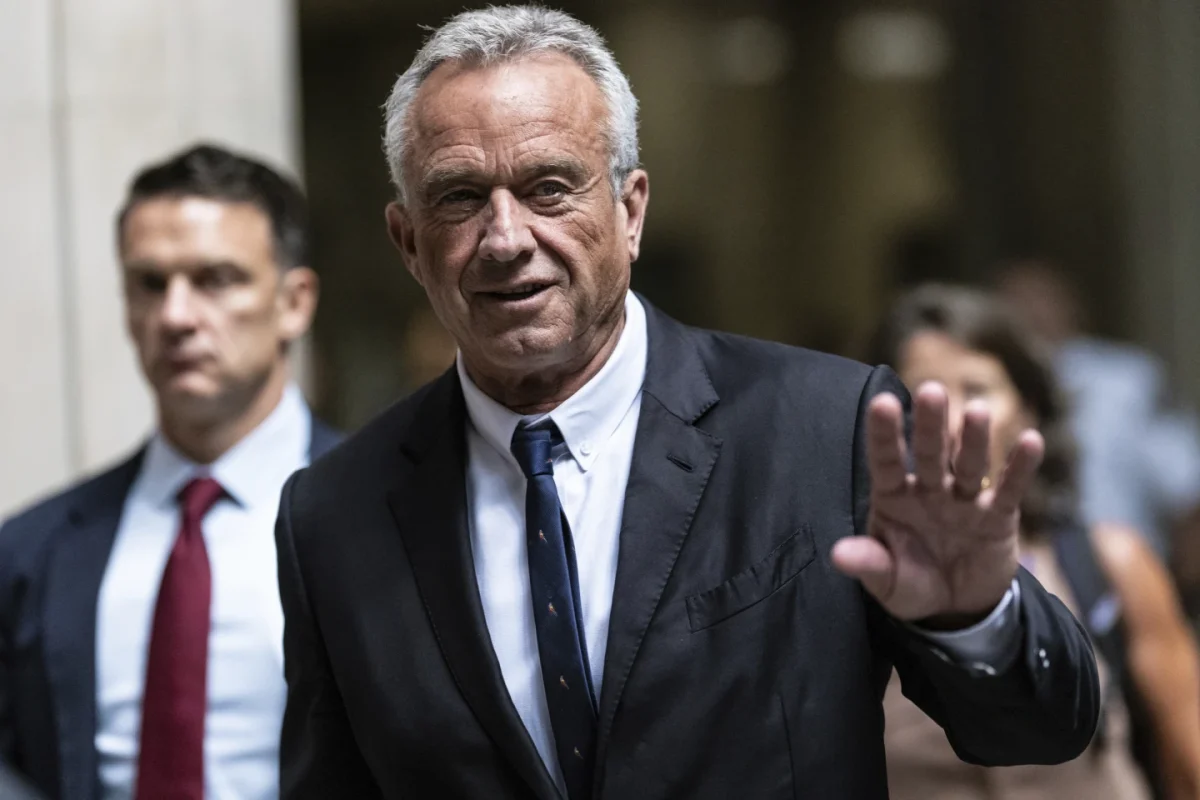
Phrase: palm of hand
(938, 549)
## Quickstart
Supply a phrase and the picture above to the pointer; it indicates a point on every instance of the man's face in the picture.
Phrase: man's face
(207, 306)
(511, 225)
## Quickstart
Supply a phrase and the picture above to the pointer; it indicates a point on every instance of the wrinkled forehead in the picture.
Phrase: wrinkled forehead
(538, 97)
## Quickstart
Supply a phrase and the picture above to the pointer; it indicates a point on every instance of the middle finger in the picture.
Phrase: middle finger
(930, 436)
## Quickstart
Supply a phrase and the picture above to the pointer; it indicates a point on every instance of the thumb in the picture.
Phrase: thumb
(866, 559)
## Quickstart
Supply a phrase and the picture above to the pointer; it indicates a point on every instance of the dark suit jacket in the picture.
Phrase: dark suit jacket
(740, 663)
(52, 560)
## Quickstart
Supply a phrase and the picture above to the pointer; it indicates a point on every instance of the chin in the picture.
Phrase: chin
(526, 348)
(190, 396)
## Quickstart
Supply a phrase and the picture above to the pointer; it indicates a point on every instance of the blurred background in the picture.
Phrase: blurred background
(807, 160)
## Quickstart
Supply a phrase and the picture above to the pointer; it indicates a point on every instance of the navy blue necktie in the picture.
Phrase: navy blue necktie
(557, 614)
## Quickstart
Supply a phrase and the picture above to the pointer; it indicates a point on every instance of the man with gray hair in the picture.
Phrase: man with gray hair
(607, 555)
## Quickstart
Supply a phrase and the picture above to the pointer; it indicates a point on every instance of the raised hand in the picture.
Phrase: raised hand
(941, 547)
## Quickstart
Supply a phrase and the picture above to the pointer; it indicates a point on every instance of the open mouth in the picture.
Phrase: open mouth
(522, 292)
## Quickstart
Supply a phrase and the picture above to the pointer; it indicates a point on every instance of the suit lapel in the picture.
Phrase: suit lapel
(75, 570)
(430, 509)
(76, 567)
(672, 462)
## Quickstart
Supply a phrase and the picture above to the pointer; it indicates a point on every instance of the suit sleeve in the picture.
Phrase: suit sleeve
(8, 733)
(1042, 709)
(319, 756)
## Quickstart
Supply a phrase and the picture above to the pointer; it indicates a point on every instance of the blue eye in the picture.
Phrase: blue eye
(549, 189)
(458, 196)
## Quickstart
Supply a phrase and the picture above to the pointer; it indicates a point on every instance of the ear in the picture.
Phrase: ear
(635, 196)
(298, 291)
(403, 236)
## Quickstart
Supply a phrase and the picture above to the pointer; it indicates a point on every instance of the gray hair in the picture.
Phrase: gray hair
(500, 34)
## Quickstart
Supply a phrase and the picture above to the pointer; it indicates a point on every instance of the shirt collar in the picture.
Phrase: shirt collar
(588, 418)
(250, 472)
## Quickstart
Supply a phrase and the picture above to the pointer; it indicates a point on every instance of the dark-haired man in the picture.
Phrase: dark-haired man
(140, 621)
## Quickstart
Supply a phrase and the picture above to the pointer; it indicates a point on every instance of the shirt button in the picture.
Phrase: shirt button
(585, 448)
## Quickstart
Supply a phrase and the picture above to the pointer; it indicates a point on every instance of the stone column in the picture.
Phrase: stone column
(1156, 45)
(92, 92)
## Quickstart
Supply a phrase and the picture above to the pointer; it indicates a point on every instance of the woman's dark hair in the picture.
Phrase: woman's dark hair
(981, 322)
(218, 174)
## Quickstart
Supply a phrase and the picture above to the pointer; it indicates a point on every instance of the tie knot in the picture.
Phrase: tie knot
(532, 447)
(198, 497)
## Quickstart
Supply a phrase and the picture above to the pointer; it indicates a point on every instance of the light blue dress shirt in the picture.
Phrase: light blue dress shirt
(246, 688)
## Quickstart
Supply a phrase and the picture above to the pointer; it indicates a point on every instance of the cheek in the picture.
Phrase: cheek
(587, 248)
(243, 320)
(443, 254)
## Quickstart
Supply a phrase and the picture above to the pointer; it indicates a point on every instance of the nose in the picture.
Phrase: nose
(178, 311)
(508, 235)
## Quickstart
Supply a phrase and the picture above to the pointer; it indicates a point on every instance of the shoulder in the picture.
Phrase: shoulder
(741, 363)
(30, 528)
(1138, 575)
(373, 448)
(1120, 367)
(101, 486)
(1121, 549)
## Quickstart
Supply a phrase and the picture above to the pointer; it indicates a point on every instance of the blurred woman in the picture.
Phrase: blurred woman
(968, 342)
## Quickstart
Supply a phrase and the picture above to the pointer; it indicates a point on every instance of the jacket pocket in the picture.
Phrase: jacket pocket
(753, 584)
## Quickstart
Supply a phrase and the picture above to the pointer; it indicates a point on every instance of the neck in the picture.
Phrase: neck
(205, 440)
(543, 391)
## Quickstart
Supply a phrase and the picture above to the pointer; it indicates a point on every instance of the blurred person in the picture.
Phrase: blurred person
(140, 621)
(1139, 459)
(13, 787)
(980, 352)
(594, 557)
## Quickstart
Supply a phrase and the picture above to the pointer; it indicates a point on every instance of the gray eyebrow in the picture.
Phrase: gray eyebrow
(438, 179)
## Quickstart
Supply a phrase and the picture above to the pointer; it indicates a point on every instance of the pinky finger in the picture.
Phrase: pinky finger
(1018, 475)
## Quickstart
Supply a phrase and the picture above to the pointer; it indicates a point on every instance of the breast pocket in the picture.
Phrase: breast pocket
(753, 584)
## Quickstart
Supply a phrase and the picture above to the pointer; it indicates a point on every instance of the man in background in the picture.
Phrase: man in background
(140, 621)
(1139, 458)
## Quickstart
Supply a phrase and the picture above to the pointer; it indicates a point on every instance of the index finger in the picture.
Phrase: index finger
(886, 451)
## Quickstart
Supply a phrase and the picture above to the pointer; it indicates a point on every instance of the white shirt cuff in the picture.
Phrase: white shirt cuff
(988, 646)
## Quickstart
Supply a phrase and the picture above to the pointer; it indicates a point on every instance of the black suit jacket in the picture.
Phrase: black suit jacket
(52, 561)
(740, 663)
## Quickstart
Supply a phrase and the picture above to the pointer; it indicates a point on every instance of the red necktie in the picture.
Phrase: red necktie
(171, 762)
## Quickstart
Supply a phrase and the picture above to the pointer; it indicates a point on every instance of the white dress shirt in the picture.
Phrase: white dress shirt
(246, 688)
(591, 469)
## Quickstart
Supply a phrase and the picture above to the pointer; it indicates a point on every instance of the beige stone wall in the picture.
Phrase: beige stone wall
(90, 92)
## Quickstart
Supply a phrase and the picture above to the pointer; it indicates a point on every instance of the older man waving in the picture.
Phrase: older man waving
(608, 555)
